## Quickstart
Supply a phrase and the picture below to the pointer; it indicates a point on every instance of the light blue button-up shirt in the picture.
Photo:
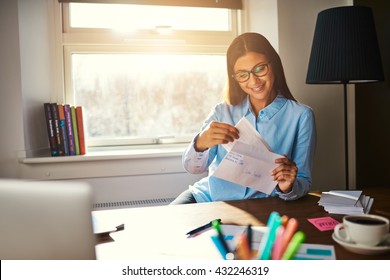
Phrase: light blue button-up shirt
(286, 125)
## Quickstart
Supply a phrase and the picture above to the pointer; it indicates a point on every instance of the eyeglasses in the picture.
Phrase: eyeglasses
(259, 70)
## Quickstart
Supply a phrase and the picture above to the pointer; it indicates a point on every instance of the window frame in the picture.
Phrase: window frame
(100, 40)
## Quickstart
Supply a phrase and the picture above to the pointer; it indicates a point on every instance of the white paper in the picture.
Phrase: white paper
(354, 195)
(248, 135)
(249, 161)
(346, 202)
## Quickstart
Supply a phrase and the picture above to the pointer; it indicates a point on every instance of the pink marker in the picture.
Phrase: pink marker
(277, 252)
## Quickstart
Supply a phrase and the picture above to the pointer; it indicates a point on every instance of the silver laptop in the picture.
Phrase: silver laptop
(45, 220)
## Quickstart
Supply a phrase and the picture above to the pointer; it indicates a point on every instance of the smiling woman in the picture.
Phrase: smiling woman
(265, 102)
(143, 72)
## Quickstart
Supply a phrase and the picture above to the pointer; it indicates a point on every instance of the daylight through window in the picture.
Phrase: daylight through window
(138, 83)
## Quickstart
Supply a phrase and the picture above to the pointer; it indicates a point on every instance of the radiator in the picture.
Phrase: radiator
(132, 203)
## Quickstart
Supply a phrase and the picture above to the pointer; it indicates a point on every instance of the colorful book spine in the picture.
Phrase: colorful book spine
(80, 129)
(75, 131)
(69, 129)
(63, 133)
(65, 128)
(57, 135)
(50, 129)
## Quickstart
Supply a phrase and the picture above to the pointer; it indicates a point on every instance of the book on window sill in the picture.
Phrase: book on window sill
(65, 128)
(57, 133)
(63, 133)
(50, 129)
(69, 129)
(75, 131)
(80, 129)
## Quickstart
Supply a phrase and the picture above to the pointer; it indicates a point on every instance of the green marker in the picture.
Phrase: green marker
(294, 245)
(217, 225)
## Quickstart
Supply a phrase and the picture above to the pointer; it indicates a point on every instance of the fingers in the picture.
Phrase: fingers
(285, 174)
(223, 131)
(286, 166)
(216, 133)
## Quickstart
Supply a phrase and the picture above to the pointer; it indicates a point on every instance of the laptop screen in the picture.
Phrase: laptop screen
(46, 220)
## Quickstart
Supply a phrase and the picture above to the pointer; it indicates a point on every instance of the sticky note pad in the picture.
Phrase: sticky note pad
(315, 252)
(324, 223)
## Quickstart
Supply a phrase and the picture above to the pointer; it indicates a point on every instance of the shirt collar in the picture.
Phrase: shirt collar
(271, 109)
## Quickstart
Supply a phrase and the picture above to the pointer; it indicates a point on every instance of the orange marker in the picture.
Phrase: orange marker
(243, 249)
(289, 231)
(284, 220)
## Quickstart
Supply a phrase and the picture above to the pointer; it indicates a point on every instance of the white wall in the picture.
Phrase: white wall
(295, 39)
(11, 111)
(262, 16)
(295, 29)
(36, 47)
(27, 78)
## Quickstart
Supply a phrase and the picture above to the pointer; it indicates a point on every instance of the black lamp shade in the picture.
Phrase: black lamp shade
(345, 47)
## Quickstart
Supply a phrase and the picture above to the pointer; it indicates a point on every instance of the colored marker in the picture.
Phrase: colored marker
(289, 231)
(243, 250)
(294, 245)
(274, 221)
(220, 247)
(284, 220)
(277, 252)
(249, 235)
(217, 225)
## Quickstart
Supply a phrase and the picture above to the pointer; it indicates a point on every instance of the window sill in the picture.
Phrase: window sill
(113, 153)
(106, 162)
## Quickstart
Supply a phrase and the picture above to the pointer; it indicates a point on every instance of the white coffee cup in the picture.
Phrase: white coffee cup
(368, 230)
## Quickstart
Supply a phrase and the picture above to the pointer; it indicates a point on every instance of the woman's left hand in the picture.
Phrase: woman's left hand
(285, 174)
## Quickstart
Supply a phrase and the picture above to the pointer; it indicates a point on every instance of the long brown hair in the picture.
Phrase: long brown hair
(253, 42)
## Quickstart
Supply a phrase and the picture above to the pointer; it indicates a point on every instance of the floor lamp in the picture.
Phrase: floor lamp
(345, 51)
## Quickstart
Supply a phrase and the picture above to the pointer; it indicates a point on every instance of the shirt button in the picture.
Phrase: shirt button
(261, 114)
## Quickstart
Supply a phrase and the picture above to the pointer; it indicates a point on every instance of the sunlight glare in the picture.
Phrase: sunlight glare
(128, 18)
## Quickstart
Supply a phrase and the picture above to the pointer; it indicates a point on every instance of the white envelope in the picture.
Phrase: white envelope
(249, 161)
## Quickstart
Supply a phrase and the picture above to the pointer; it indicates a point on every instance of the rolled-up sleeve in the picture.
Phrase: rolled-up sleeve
(299, 189)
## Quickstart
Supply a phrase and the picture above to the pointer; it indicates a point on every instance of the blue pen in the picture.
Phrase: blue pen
(198, 230)
(274, 221)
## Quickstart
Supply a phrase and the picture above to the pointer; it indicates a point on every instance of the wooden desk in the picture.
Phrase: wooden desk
(165, 226)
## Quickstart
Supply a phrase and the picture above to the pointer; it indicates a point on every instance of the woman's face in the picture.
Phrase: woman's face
(259, 84)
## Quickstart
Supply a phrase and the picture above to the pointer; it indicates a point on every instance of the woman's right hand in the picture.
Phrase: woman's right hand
(216, 133)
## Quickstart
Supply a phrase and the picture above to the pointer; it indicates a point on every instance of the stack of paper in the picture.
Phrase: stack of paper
(346, 202)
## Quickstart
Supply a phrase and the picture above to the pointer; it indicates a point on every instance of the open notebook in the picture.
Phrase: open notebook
(45, 220)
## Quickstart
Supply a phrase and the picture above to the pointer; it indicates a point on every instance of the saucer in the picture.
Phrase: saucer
(363, 249)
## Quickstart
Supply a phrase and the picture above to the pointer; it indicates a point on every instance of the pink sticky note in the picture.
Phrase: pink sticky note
(324, 223)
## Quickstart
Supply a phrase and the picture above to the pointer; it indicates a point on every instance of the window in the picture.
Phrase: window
(144, 73)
